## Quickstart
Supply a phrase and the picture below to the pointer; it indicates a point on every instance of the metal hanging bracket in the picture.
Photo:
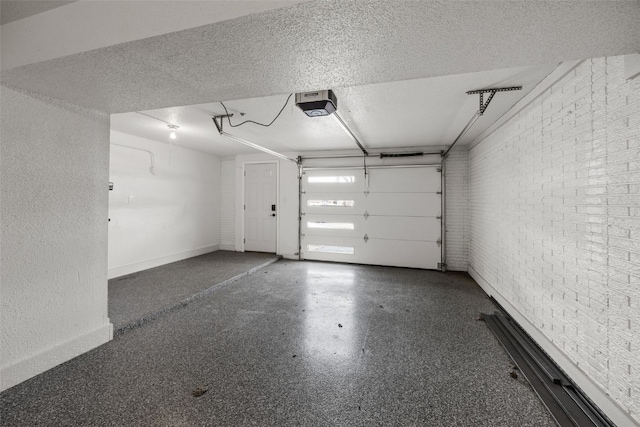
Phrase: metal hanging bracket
(220, 117)
(480, 112)
(481, 92)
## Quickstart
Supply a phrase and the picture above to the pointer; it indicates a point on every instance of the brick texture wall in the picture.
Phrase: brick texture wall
(457, 208)
(555, 220)
(228, 204)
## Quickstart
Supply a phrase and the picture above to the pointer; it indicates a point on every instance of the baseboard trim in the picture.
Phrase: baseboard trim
(156, 262)
(227, 246)
(33, 365)
(606, 404)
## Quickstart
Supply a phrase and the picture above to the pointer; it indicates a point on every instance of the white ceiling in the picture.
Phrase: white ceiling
(427, 112)
(400, 69)
(310, 45)
(13, 10)
(30, 36)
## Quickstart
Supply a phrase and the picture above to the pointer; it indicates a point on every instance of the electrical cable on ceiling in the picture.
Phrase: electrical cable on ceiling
(251, 121)
(163, 121)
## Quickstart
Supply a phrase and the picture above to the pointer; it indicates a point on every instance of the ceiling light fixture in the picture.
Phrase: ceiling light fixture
(172, 128)
(172, 133)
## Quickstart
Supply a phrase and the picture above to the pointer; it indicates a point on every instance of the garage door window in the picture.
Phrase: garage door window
(332, 179)
(331, 225)
(331, 203)
(329, 249)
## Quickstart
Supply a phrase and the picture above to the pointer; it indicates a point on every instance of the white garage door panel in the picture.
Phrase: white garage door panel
(332, 225)
(376, 227)
(396, 253)
(397, 204)
(329, 242)
(407, 228)
(334, 181)
(398, 212)
(402, 253)
(406, 180)
(358, 200)
(403, 204)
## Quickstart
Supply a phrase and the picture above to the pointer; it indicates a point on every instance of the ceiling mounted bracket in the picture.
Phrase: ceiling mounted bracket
(480, 112)
(220, 117)
(247, 143)
(481, 92)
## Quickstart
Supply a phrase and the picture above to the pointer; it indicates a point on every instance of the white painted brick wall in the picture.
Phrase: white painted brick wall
(228, 204)
(457, 209)
(555, 220)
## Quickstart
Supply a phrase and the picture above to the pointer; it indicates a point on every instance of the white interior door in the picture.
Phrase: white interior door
(260, 207)
(393, 219)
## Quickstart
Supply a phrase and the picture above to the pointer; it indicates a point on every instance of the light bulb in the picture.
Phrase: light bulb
(172, 131)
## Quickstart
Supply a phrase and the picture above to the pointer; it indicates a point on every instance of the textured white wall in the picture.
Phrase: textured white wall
(161, 218)
(228, 205)
(555, 221)
(53, 193)
(457, 210)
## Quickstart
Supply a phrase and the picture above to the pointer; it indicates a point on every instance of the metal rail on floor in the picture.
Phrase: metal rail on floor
(565, 402)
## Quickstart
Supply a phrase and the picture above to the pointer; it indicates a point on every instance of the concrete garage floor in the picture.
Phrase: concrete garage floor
(138, 297)
(297, 344)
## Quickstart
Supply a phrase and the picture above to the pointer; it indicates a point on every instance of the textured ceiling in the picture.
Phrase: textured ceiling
(86, 25)
(411, 113)
(12, 10)
(331, 44)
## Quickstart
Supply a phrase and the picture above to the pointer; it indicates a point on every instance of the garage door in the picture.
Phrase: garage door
(393, 219)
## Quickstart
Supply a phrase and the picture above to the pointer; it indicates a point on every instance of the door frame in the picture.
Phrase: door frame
(242, 199)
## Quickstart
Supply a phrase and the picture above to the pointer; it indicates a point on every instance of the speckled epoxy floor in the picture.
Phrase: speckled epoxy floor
(136, 297)
(297, 343)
